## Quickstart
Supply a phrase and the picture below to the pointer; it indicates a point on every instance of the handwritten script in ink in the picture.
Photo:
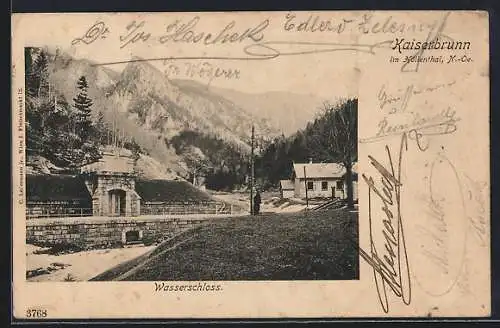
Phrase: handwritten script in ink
(97, 31)
(390, 265)
(202, 70)
(254, 40)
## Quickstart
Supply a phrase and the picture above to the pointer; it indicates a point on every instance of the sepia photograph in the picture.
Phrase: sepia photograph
(132, 174)
(286, 164)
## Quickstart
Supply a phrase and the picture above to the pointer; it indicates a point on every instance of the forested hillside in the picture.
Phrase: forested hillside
(225, 167)
(332, 137)
(59, 129)
(74, 108)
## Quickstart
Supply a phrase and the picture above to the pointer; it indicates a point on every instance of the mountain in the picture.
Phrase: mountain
(287, 111)
(145, 106)
(167, 118)
(65, 70)
(158, 104)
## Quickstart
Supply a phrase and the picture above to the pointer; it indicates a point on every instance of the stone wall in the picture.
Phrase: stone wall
(93, 232)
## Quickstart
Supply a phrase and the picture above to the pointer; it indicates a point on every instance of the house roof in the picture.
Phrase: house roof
(56, 188)
(287, 184)
(319, 170)
(169, 191)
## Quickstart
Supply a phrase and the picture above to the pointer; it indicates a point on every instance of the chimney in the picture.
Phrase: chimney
(310, 160)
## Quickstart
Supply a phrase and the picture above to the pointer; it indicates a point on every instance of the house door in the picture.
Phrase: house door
(117, 202)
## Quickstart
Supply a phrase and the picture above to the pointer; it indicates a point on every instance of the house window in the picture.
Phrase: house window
(310, 185)
(324, 185)
(340, 185)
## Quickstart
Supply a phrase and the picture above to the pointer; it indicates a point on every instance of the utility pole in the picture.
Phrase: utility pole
(113, 128)
(305, 185)
(252, 172)
(108, 130)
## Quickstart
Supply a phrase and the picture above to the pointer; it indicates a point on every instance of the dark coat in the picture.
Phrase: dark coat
(256, 203)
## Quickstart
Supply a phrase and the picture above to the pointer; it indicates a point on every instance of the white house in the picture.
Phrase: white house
(322, 180)
(287, 189)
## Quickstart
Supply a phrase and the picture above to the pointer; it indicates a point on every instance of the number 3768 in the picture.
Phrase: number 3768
(36, 313)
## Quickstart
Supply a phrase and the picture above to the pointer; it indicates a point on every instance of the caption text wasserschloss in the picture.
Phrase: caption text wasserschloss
(187, 287)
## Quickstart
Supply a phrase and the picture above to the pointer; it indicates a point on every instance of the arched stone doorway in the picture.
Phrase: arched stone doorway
(117, 202)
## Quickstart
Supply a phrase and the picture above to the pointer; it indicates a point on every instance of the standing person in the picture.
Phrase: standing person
(256, 203)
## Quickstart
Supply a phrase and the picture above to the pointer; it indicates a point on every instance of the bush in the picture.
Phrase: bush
(69, 277)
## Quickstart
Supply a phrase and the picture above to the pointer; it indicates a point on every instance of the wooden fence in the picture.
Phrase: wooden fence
(41, 211)
(185, 208)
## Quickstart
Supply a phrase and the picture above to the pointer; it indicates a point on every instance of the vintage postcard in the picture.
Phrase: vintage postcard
(251, 165)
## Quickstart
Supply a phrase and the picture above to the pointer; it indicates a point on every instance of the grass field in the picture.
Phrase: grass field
(295, 246)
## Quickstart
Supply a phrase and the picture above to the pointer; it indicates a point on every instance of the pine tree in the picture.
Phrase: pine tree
(82, 103)
(82, 100)
(28, 72)
(40, 75)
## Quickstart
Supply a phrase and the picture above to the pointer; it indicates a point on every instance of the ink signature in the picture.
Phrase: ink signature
(441, 228)
(419, 129)
(97, 30)
(477, 208)
(433, 35)
(258, 50)
(268, 50)
(271, 49)
(386, 97)
(390, 268)
(444, 220)
(203, 70)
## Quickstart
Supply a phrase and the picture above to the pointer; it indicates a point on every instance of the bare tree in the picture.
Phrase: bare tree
(334, 138)
(196, 162)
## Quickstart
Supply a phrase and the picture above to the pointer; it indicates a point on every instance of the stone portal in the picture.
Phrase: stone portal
(111, 182)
